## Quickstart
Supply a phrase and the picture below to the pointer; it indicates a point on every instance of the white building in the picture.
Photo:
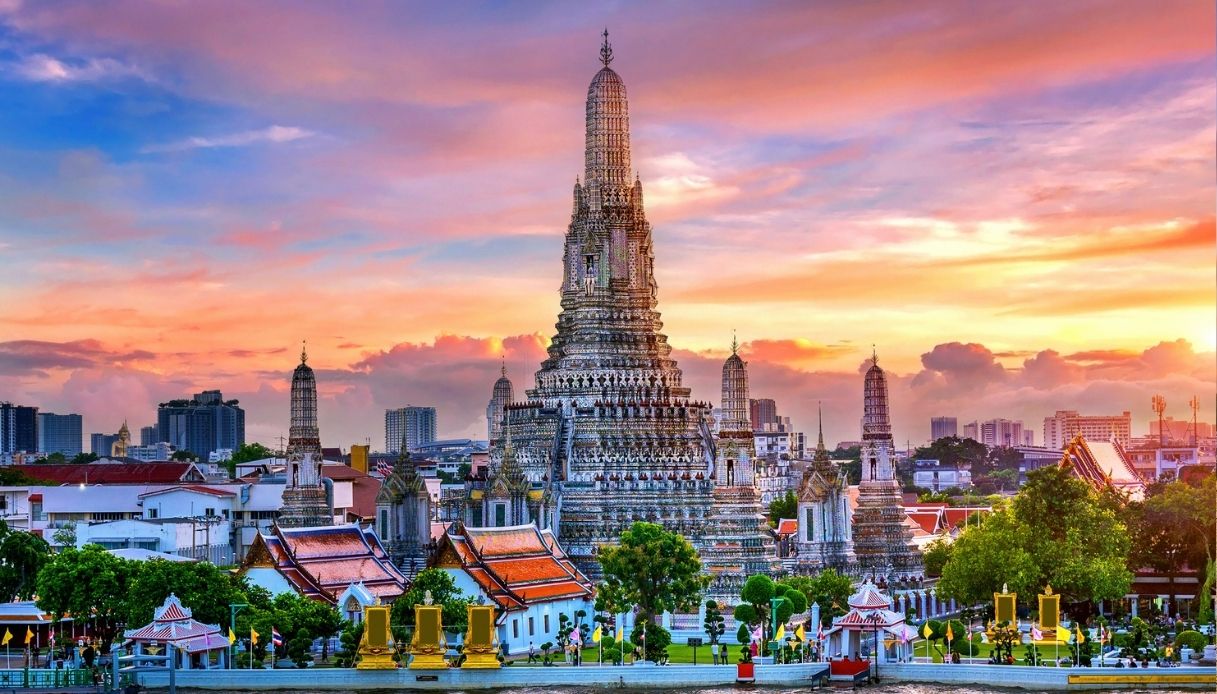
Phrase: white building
(1062, 427)
(933, 475)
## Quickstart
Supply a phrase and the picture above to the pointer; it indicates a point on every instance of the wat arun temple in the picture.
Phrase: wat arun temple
(609, 435)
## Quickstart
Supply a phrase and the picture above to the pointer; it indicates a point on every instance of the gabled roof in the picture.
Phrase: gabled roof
(172, 622)
(515, 566)
(197, 488)
(868, 597)
(787, 526)
(1103, 463)
(114, 473)
(322, 562)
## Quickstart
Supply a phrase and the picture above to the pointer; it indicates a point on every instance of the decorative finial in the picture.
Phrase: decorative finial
(606, 50)
(734, 342)
(874, 355)
(503, 368)
(304, 351)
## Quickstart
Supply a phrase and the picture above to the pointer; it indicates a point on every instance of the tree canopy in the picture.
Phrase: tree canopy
(953, 450)
(87, 581)
(206, 589)
(443, 592)
(22, 556)
(756, 607)
(247, 452)
(652, 569)
(785, 506)
(828, 589)
(1056, 531)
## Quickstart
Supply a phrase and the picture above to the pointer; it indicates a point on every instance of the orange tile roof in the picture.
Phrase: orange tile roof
(787, 526)
(321, 562)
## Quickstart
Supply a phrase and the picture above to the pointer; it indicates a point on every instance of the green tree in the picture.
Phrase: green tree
(654, 639)
(852, 469)
(714, 624)
(828, 589)
(65, 535)
(952, 450)
(352, 633)
(22, 556)
(55, 458)
(184, 456)
(935, 557)
(87, 581)
(652, 569)
(201, 586)
(785, 506)
(247, 452)
(1056, 532)
(756, 607)
(443, 592)
(292, 615)
(84, 458)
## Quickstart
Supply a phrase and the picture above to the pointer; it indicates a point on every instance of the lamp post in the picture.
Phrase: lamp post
(773, 626)
(233, 609)
(876, 617)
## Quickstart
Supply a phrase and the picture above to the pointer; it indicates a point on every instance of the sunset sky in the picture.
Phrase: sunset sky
(1014, 201)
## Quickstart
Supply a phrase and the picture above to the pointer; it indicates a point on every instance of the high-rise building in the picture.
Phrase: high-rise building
(882, 544)
(1062, 427)
(609, 435)
(149, 435)
(763, 413)
(942, 427)
(1001, 432)
(201, 425)
(971, 430)
(18, 429)
(413, 425)
(102, 445)
(500, 397)
(1028, 437)
(60, 433)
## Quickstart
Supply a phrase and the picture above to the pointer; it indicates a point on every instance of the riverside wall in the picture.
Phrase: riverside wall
(1022, 677)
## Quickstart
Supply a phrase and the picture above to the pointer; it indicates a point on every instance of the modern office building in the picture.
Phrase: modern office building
(416, 424)
(942, 427)
(102, 444)
(60, 433)
(763, 412)
(18, 428)
(1062, 427)
(149, 435)
(1001, 432)
(202, 424)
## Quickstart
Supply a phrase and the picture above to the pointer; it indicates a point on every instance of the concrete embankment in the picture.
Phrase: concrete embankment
(337, 679)
(1053, 678)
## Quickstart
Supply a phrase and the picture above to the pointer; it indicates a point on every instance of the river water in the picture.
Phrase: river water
(875, 689)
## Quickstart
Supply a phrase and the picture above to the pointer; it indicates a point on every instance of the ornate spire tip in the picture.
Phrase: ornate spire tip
(304, 351)
(606, 50)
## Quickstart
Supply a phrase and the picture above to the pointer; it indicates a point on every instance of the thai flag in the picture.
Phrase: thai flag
(384, 467)
(275, 637)
(1036, 634)
(820, 634)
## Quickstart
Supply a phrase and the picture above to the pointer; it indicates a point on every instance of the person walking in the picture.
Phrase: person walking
(714, 652)
(532, 653)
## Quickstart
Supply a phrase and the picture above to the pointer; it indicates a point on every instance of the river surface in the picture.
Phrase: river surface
(876, 689)
(879, 689)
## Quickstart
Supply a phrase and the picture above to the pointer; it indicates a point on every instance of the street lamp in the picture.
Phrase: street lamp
(876, 618)
(233, 609)
(773, 626)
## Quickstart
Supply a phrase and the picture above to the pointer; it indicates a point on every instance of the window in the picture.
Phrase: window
(515, 628)
(106, 516)
(546, 623)
(36, 511)
(531, 630)
(154, 512)
(500, 515)
(384, 523)
(809, 522)
(209, 512)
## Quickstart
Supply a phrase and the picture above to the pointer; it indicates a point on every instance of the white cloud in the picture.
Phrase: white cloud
(41, 67)
(274, 133)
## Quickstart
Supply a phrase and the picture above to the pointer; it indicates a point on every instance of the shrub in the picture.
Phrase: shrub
(1191, 639)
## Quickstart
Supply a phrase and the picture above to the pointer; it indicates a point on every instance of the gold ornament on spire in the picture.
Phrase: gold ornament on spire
(606, 50)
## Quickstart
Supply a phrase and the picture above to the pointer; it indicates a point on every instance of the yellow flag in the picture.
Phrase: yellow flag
(29, 635)
(1062, 636)
(780, 632)
(800, 634)
(596, 635)
(232, 638)
(618, 637)
(253, 637)
(926, 631)
(1081, 638)
(950, 632)
(8, 636)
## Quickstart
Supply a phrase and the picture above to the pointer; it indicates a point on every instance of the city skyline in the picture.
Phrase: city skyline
(190, 207)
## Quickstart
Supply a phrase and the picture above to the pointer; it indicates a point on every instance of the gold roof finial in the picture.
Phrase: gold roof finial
(304, 351)
(734, 342)
(503, 368)
(874, 355)
(606, 50)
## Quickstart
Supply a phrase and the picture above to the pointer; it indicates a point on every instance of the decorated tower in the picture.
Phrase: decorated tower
(609, 429)
(403, 515)
(825, 539)
(882, 544)
(306, 503)
(500, 397)
(731, 550)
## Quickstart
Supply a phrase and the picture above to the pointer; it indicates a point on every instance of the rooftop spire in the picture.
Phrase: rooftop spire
(734, 342)
(503, 368)
(304, 351)
(820, 414)
(606, 50)
(874, 355)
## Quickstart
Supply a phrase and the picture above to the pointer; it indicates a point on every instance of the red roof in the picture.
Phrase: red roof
(787, 526)
(198, 488)
(321, 562)
(926, 520)
(113, 473)
(172, 623)
(517, 565)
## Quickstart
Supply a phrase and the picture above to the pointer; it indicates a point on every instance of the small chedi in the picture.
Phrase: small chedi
(376, 646)
(428, 645)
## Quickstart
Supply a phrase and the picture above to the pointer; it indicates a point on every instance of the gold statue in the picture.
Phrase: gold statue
(376, 646)
(481, 644)
(428, 644)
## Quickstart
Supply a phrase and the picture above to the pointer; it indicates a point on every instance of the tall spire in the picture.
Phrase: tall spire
(820, 414)
(734, 342)
(304, 351)
(503, 368)
(874, 356)
(606, 50)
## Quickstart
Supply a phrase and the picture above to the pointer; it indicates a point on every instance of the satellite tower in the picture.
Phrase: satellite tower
(1159, 404)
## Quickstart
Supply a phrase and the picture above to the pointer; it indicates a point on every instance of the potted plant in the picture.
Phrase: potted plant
(745, 669)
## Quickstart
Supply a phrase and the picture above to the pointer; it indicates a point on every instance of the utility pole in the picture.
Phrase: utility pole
(1195, 405)
(1159, 404)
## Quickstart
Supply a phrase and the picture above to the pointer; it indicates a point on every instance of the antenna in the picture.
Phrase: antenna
(1194, 403)
(1159, 404)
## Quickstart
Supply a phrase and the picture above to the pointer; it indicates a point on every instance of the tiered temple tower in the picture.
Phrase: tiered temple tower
(403, 515)
(736, 545)
(305, 500)
(881, 542)
(500, 397)
(609, 430)
(825, 539)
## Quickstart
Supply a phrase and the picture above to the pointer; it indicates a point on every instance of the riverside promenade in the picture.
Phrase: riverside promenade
(678, 676)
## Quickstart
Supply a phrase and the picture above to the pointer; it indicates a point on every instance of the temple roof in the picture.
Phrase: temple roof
(515, 565)
(1103, 463)
(173, 623)
(320, 562)
(868, 597)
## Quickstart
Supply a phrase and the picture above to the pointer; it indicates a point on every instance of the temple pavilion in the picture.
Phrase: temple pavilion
(870, 622)
(197, 645)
